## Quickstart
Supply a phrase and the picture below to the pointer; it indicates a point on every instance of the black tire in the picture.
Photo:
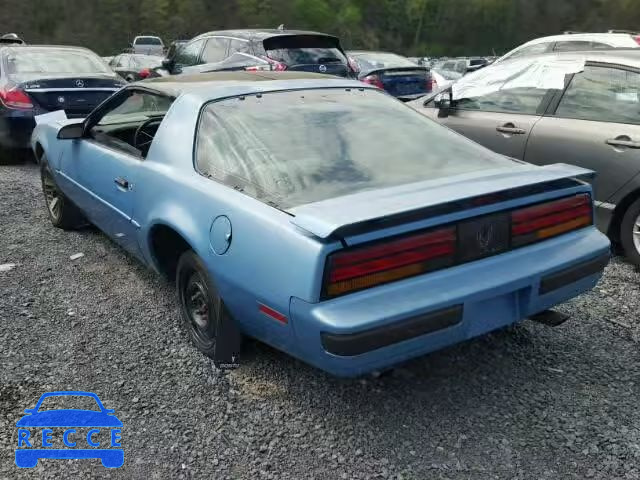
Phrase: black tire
(62, 212)
(201, 308)
(630, 228)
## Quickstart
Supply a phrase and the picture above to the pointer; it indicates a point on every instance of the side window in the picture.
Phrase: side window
(523, 101)
(531, 50)
(238, 45)
(189, 54)
(125, 113)
(574, 46)
(215, 50)
(134, 106)
(604, 95)
(123, 61)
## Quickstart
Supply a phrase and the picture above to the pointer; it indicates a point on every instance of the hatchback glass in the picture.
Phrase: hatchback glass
(298, 147)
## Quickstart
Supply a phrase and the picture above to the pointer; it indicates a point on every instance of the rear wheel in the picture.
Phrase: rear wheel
(201, 307)
(630, 233)
(62, 212)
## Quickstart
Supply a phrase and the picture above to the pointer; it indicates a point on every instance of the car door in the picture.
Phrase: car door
(499, 120)
(101, 169)
(595, 124)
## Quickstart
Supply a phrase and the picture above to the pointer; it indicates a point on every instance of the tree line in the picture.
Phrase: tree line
(410, 27)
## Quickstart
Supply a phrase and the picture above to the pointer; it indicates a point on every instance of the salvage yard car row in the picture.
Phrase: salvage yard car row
(317, 213)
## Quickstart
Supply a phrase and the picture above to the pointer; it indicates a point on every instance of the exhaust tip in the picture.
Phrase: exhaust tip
(550, 318)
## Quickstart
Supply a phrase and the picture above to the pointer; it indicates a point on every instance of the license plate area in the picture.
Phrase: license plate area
(483, 237)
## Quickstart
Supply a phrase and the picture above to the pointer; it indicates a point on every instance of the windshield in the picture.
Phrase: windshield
(50, 60)
(292, 148)
(148, 41)
(374, 61)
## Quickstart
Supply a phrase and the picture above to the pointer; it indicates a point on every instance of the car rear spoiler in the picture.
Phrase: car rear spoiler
(351, 214)
(417, 68)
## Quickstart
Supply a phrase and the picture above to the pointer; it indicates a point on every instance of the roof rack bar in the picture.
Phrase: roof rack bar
(630, 32)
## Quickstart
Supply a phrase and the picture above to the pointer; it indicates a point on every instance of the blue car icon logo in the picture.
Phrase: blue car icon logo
(69, 433)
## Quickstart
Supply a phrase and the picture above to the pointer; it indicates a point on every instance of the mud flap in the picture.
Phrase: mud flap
(228, 343)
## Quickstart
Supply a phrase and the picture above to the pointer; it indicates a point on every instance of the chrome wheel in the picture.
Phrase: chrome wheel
(52, 197)
(636, 234)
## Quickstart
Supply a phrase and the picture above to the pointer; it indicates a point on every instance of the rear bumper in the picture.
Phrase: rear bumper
(378, 328)
(16, 128)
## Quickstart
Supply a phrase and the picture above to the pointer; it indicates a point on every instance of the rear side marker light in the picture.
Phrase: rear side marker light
(274, 314)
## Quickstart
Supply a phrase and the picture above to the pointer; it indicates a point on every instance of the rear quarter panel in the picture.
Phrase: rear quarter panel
(269, 260)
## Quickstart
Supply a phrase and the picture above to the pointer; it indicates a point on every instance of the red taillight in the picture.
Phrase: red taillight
(431, 84)
(365, 267)
(144, 73)
(373, 80)
(15, 98)
(532, 224)
(258, 68)
(276, 66)
(637, 39)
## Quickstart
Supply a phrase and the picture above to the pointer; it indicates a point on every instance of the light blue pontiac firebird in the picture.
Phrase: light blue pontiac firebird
(321, 216)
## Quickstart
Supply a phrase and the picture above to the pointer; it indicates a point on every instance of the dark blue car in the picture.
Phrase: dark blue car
(82, 436)
(40, 79)
(395, 74)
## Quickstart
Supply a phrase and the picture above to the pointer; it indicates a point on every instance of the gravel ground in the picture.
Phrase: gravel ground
(528, 402)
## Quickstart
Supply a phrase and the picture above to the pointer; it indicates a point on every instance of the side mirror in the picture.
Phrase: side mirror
(444, 103)
(71, 132)
(168, 64)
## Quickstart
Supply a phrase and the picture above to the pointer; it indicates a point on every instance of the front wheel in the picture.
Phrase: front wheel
(201, 307)
(630, 233)
(62, 212)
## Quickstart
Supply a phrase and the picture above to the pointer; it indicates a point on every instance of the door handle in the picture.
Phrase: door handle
(623, 141)
(123, 183)
(510, 129)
